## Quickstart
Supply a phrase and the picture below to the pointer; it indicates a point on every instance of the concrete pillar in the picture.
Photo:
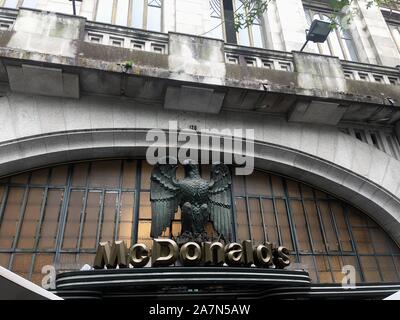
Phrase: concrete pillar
(378, 33)
(293, 23)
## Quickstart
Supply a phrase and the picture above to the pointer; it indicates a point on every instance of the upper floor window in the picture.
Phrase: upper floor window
(395, 31)
(142, 14)
(222, 13)
(19, 3)
(339, 42)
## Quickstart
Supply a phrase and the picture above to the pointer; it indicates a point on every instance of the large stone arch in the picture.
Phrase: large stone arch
(39, 131)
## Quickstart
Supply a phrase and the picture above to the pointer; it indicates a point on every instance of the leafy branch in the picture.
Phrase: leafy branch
(253, 10)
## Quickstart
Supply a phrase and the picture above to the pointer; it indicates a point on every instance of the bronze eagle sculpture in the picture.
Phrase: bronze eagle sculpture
(199, 200)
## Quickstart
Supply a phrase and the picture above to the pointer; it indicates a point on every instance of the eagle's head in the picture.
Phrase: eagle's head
(191, 169)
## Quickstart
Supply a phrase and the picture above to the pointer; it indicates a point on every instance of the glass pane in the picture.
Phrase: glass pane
(10, 3)
(126, 217)
(277, 186)
(242, 222)
(370, 269)
(145, 206)
(89, 235)
(67, 262)
(29, 3)
(350, 50)
(109, 215)
(129, 174)
(362, 240)
(284, 224)
(79, 176)
(244, 38)
(308, 265)
(356, 219)
(297, 212)
(257, 36)
(396, 35)
(48, 232)
(293, 188)
(30, 223)
(41, 260)
(22, 264)
(59, 176)
(21, 178)
(243, 34)
(315, 227)
(73, 222)
(176, 228)
(258, 184)
(144, 230)
(329, 228)
(344, 236)
(105, 174)
(4, 260)
(336, 267)
(388, 270)
(40, 176)
(146, 174)
(154, 18)
(323, 47)
(306, 191)
(239, 185)
(9, 223)
(104, 11)
(323, 268)
(137, 14)
(216, 28)
(256, 224)
(270, 221)
(335, 45)
(382, 243)
(121, 17)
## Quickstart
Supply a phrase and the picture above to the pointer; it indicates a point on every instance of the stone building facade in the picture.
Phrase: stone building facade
(81, 92)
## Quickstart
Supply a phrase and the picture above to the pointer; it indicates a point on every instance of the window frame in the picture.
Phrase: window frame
(396, 38)
(249, 30)
(20, 3)
(130, 15)
(310, 12)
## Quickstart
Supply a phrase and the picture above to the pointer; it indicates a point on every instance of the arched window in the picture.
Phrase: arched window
(19, 3)
(58, 215)
(322, 232)
(339, 42)
(222, 13)
(141, 14)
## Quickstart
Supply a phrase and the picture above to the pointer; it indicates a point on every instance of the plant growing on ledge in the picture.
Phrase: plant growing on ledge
(127, 65)
(253, 9)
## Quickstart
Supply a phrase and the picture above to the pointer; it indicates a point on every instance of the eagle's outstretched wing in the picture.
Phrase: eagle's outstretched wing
(164, 197)
(219, 195)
